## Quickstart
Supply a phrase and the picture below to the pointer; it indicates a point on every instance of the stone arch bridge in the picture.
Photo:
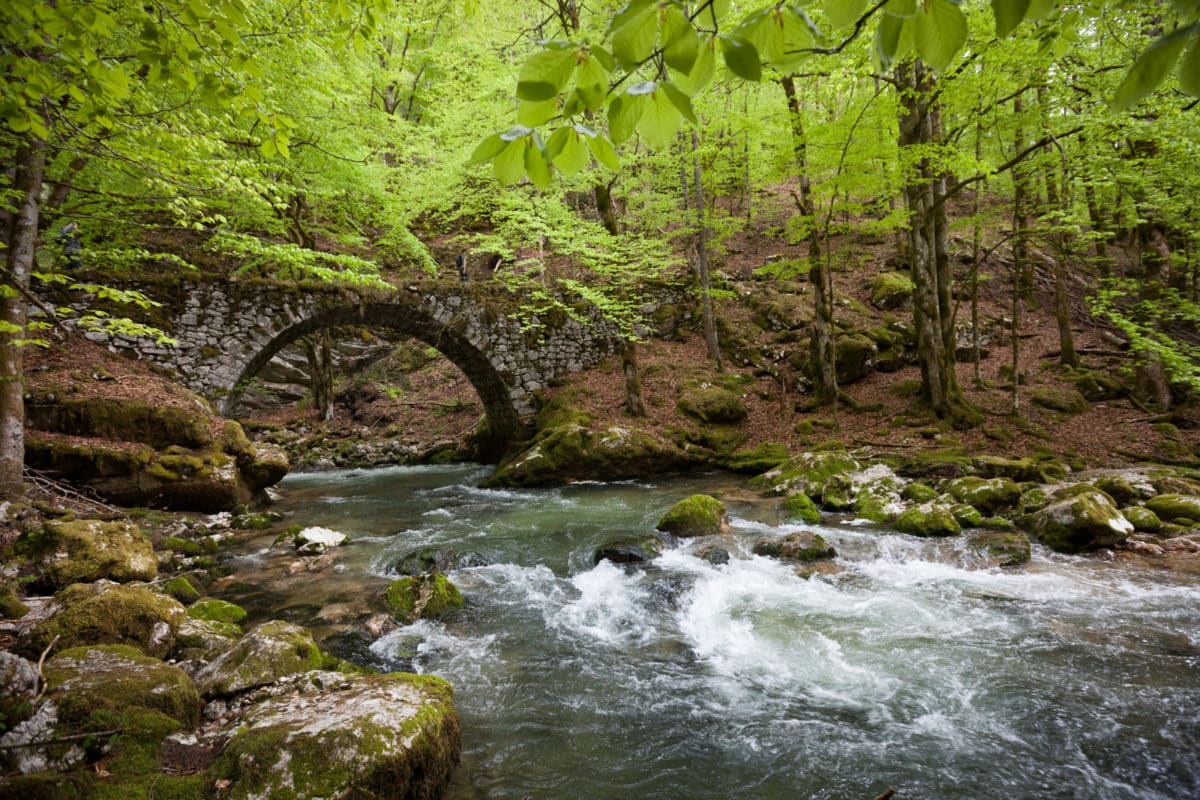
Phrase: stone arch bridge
(227, 330)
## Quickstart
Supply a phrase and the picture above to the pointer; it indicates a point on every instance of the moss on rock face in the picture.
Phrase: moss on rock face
(181, 589)
(1067, 401)
(891, 291)
(265, 654)
(115, 678)
(1080, 521)
(987, 495)
(390, 737)
(213, 610)
(108, 613)
(800, 546)
(204, 640)
(807, 473)
(1033, 500)
(919, 493)
(698, 515)
(1009, 549)
(1142, 519)
(1172, 507)
(1015, 469)
(82, 551)
(967, 515)
(754, 460)
(856, 357)
(11, 606)
(414, 597)
(708, 402)
(123, 420)
(800, 508)
(928, 520)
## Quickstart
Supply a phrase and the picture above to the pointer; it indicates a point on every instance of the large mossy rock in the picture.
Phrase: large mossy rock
(416, 597)
(856, 357)
(891, 291)
(989, 495)
(928, 520)
(210, 609)
(804, 546)
(1066, 401)
(1080, 520)
(757, 459)
(807, 473)
(1006, 548)
(83, 551)
(115, 678)
(388, 737)
(187, 425)
(1142, 519)
(566, 448)
(711, 403)
(1015, 469)
(109, 613)
(1171, 507)
(264, 655)
(214, 472)
(799, 507)
(200, 641)
(698, 515)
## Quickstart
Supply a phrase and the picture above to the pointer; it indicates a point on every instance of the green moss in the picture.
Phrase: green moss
(263, 655)
(807, 473)
(117, 678)
(698, 515)
(757, 459)
(430, 596)
(890, 291)
(11, 606)
(1067, 401)
(800, 508)
(103, 614)
(82, 551)
(837, 492)
(1175, 507)
(122, 420)
(187, 547)
(917, 492)
(800, 546)
(181, 589)
(1142, 519)
(707, 402)
(988, 495)
(1118, 488)
(1080, 520)
(1011, 549)
(967, 515)
(213, 610)
(928, 520)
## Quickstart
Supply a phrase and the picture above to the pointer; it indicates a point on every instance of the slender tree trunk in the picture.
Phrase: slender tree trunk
(1064, 242)
(633, 381)
(318, 352)
(976, 242)
(821, 346)
(20, 237)
(702, 267)
(1022, 198)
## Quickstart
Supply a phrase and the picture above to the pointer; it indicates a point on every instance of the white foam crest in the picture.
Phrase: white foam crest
(514, 585)
(430, 643)
(438, 512)
(611, 607)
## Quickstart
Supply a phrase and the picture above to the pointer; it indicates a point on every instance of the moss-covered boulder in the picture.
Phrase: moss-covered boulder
(930, 519)
(391, 737)
(800, 546)
(630, 550)
(1080, 521)
(967, 515)
(181, 589)
(11, 606)
(210, 609)
(1015, 469)
(159, 426)
(1097, 385)
(265, 654)
(989, 495)
(1066, 401)
(709, 402)
(115, 678)
(1172, 507)
(799, 507)
(199, 640)
(422, 597)
(891, 291)
(1142, 519)
(83, 551)
(838, 493)
(698, 515)
(1122, 490)
(856, 357)
(757, 459)
(917, 492)
(807, 473)
(1005, 548)
(109, 613)
(1033, 499)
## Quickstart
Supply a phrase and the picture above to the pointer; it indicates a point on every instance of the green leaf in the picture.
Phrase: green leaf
(624, 114)
(534, 113)
(515, 132)
(941, 32)
(887, 39)
(1040, 9)
(844, 13)
(1189, 66)
(591, 81)
(536, 166)
(901, 8)
(778, 33)
(1009, 14)
(567, 151)
(661, 120)
(741, 57)
(633, 41)
(702, 71)
(680, 44)
(488, 149)
(1150, 69)
(681, 101)
(604, 153)
(546, 72)
(509, 165)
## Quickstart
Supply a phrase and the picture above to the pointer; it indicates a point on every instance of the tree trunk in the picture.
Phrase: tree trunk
(702, 271)
(924, 193)
(1022, 197)
(21, 240)
(318, 352)
(633, 380)
(823, 356)
(602, 192)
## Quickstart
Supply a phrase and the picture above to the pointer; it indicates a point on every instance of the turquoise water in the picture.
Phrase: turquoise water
(916, 667)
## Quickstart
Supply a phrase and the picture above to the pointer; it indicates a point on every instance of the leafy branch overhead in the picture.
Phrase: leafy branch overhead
(656, 55)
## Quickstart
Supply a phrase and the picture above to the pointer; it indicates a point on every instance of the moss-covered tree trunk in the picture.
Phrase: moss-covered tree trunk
(821, 346)
(20, 239)
(319, 353)
(924, 195)
(703, 276)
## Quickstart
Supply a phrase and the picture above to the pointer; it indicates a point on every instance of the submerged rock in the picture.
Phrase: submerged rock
(1008, 548)
(1082, 520)
(429, 560)
(422, 597)
(392, 737)
(698, 515)
(630, 551)
(800, 546)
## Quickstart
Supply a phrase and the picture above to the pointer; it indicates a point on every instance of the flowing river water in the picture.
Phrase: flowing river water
(916, 667)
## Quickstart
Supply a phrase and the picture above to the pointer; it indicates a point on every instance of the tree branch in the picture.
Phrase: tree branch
(1007, 165)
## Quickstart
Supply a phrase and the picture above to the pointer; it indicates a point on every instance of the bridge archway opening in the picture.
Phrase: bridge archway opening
(504, 424)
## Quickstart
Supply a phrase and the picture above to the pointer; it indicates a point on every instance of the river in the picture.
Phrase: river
(916, 667)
